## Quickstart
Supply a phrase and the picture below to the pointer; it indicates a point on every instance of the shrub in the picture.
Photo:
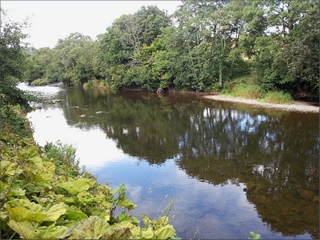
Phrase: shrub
(41, 82)
(64, 156)
(96, 84)
(12, 120)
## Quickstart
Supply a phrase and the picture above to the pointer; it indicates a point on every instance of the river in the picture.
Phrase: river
(220, 170)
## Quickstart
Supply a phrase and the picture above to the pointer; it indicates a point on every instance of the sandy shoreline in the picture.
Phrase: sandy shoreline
(295, 106)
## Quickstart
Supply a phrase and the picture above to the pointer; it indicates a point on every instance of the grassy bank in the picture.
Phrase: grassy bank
(45, 195)
(246, 87)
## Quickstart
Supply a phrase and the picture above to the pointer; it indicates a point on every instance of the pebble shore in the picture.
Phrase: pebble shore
(295, 106)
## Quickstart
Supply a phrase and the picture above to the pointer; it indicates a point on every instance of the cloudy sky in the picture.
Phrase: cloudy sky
(53, 20)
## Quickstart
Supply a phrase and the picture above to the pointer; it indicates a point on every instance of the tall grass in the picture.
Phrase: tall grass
(247, 91)
(277, 97)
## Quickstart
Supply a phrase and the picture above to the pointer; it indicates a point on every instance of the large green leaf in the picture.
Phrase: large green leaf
(24, 210)
(92, 228)
(25, 229)
(20, 214)
(8, 168)
(148, 233)
(55, 212)
(46, 172)
(24, 203)
(53, 232)
(126, 203)
(74, 214)
(36, 160)
(11, 190)
(165, 232)
(77, 186)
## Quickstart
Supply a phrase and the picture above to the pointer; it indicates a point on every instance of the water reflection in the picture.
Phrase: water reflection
(239, 154)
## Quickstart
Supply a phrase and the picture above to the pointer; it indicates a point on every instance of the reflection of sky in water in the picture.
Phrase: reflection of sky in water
(222, 209)
(93, 148)
(47, 91)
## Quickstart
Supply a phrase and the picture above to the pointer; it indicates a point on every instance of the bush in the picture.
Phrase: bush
(64, 156)
(13, 121)
(41, 82)
(96, 84)
(277, 97)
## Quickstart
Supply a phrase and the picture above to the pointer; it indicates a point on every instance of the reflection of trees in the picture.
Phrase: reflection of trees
(267, 155)
(276, 157)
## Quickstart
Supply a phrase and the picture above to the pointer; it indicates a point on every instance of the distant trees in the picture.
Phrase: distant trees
(71, 61)
(203, 45)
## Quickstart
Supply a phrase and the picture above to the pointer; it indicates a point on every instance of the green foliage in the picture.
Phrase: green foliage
(13, 121)
(254, 235)
(247, 91)
(64, 156)
(38, 63)
(40, 82)
(43, 196)
(12, 61)
(277, 97)
(12, 65)
(204, 44)
(94, 84)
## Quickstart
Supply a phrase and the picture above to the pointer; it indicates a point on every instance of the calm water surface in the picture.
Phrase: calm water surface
(228, 168)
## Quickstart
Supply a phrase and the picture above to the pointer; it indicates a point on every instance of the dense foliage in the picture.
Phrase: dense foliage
(202, 46)
(12, 63)
(43, 196)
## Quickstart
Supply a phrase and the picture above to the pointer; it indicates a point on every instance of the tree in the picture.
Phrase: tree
(286, 54)
(71, 61)
(12, 61)
(128, 47)
(38, 61)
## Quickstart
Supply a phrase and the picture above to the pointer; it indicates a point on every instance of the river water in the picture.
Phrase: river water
(220, 170)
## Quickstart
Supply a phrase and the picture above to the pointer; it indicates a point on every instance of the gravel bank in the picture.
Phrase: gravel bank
(295, 106)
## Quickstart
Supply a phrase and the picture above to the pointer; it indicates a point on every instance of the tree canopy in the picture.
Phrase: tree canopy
(12, 61)
(204, 45)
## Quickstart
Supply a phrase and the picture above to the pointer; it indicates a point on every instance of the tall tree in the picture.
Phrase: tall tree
(124, 42)
(286, 56)
(72, 60)
(12, 61)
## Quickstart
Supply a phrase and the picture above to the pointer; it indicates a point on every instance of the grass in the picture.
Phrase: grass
(246, 87)
(247, 91)
(277, 97)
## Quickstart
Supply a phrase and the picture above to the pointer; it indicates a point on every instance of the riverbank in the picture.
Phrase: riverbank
(296, 106)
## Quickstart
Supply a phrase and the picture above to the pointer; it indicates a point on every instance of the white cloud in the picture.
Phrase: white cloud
(93, 148)
(53, 20)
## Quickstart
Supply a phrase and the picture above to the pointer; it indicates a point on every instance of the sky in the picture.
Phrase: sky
(53, 20)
